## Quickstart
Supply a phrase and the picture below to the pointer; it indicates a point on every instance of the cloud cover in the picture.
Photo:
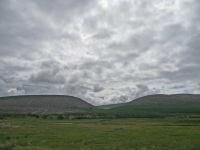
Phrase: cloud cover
(101, 51)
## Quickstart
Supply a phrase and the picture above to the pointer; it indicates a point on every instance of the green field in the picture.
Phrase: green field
(30, 133)
(151, 111)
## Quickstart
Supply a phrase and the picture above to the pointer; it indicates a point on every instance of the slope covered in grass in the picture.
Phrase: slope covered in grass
(111, 106)
(42, 104)
(167, 99)
(153, 110)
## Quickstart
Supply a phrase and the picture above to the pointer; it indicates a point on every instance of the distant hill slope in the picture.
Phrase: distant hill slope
(110, 106)
(158, 99)
(157, 106)
(167, 99)
(42, 104)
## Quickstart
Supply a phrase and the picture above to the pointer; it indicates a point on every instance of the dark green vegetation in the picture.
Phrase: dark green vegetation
(176, 99)
(153, 111)
(137, 111)
(155, 106)
(31, 133)
(111, 106)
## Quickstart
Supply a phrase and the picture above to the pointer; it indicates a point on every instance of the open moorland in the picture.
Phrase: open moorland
(30, 133)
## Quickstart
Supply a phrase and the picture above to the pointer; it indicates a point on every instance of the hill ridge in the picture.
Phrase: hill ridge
(167, 99)
(43, 104)
(158, 99)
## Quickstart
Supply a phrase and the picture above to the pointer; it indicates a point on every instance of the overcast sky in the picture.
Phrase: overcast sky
(99, 50)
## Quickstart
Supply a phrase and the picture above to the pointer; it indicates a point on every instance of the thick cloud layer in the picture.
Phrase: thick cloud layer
(101, 51)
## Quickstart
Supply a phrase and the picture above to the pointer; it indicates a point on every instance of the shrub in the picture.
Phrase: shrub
(44, 116)
(7, 137)
(60, 117)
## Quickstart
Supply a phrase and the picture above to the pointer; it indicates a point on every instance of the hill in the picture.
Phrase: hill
(167, 99)
(156, 106)
(47, 104)
(110, 106)
(158, 99)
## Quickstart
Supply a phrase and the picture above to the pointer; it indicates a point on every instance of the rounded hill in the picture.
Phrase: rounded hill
(43, 104)
(167, 99)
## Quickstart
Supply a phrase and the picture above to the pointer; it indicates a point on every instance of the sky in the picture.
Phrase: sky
(99, 50)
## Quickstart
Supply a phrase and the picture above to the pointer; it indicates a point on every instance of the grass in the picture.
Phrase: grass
(156, 110)
(111, 106)
(100, 134)
(7, 146)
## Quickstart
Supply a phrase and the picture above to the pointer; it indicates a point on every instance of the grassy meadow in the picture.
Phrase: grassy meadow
(30, 133)
(153, 110)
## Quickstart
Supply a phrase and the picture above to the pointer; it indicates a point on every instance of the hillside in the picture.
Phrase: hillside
(166, 99)
(158, 99)
(156, 106)
(47, 104)
(110, 106)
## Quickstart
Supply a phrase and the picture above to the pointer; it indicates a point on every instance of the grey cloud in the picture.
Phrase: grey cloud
(174, 32)
(102, 97)
(139, 42)
(97, 88)
(65, 11)
(12, 71)
(74, 79)
(124, 6)
(70, 36)
(3, 88)
(89, 64)
(91, 23)
(178, 87)
(47, 77)
(142, 90)
(85, 48)
(79, 77)
(50, 72)
(14, 91)
(39, 88)
(60, 5)
(123, 98)
(75, 90)
(192, 53)
(119, 98)
(184, 73)
(103, 34)
(126, 58)
(11, 88)
(47, 64)
(19, 34)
